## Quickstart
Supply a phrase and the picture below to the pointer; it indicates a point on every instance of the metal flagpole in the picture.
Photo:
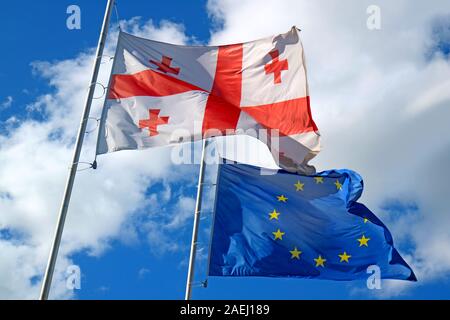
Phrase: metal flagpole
(198, 208)
(76, 156)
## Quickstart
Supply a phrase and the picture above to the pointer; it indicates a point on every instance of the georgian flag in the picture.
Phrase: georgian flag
(161, 94)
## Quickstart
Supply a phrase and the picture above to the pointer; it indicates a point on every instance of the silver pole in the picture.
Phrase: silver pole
(76, 156)
(198, 208)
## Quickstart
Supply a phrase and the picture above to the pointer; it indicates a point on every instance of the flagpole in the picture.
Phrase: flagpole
(198, 208)
(76, 157)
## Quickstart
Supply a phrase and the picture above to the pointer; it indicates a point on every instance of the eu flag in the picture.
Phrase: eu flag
(290, 225)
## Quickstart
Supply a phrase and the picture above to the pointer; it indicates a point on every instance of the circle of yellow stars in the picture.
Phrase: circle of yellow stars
(320, 261)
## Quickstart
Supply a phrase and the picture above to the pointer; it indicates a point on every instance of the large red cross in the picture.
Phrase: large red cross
(164, 65)
(276, 66)
(153, 122)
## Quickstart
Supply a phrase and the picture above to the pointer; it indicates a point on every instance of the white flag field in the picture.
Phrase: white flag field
(163, 94)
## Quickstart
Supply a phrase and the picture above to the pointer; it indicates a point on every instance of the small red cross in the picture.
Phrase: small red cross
(276, 66)
(164, 65)
(153, 122)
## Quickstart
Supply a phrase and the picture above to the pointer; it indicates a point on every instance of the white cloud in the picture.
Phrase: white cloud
(143, 272)
(165, 31)
(185, 207)
(381, 102)
(5, 104)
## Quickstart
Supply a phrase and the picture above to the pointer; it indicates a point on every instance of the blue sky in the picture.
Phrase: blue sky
(142, 267)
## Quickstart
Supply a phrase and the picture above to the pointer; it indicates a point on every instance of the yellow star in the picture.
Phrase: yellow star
(282, 198)
(344, 257)
(320, 261)
(366, 220)
(363, 241)
(318, 180)
(278, 235)
(299, 186)
(338, 185)
(295, 253)
(274, 215)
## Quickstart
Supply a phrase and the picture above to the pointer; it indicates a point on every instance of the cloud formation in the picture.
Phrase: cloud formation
(5, 104)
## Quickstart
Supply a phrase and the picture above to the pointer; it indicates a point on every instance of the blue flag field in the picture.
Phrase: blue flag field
(290, 225)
